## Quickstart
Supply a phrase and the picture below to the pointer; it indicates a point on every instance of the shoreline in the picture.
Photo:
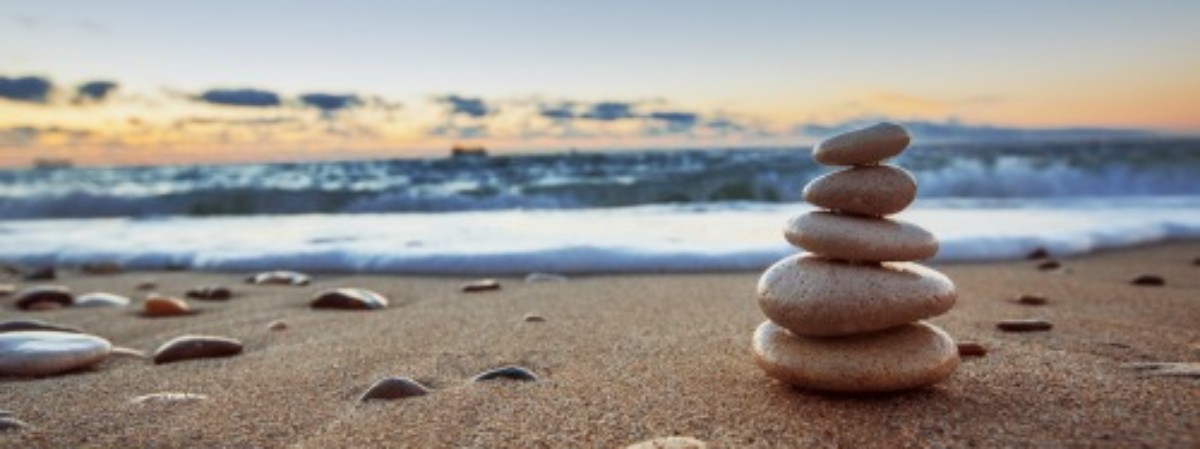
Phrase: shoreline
(622, 358)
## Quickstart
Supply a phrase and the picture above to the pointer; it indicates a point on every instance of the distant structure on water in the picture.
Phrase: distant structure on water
(468, 152)
(52, 163)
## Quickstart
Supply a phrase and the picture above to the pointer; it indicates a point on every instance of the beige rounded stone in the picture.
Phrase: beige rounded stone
(863, 146)
(905, 357)
(860, 239)
(669, 443)
(43, 353)
(818, 297)
(874, 190)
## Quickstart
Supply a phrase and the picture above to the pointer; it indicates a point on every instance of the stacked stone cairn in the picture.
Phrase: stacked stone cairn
(846, 318)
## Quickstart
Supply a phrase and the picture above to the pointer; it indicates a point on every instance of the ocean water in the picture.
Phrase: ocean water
(620, 212)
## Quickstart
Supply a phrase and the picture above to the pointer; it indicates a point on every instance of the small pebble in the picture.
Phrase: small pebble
(279, 277)
(531, 318)
(10, 424)
(210, 292)
(481, 285)
(1031, 299)
(41, 274)
(147, 285)
(101, 268)
(544, 277)
(7, 289)
(1168, 369)
(507, 372)
(1049, 265)
(101, 299)
(43, 353)
(34, 325)
(56, 294)
(277, 325)
(1038, 253)
(1149, 280)
(971, 349)
(349, 299)
(168, 398)
(670, 443)
(1196, 262)
(390, 388)
(4, 413)
(162, 306)
(1029, 325)
(189, 347)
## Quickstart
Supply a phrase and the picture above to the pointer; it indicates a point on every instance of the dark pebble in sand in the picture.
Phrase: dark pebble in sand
(44, 294)
(971, 349)
(101, 268)
(507, 372)
(146, 284)
(1149, 280)
(349, 299)
(210, 292)
(41, 274)
(1038, 253)
(1030, 325)
(481, 285)
(34, 325)
(190, 347)
(8, 423)
(531, 318)
(1049, 265)
(390, 388)
(1196, 262)
(1031, 300)
(279, 277)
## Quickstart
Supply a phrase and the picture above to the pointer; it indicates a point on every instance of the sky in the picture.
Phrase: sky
(153, 82)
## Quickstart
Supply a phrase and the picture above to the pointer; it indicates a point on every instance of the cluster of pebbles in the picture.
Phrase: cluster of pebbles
(846, 318)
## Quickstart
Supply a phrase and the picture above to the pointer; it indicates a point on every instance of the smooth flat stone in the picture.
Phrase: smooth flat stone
(35, 325)
(42, 353)
(101, 299)
(10, 424)
(277, 325)
(1149, 280)
(1166, 369)
(210, 293)
(190, 347)
(481, 285)
(863, 146)
(7, 289)
(391, 388)
(971, 349)
(874, 190)
(1031, 299)
(1025, 325)
(905, 357)
(56, 294)
(817, 297)
(669, 443)
(860, 239)
(506, 372)
(349, 299)
(279, 277)
(162, 306)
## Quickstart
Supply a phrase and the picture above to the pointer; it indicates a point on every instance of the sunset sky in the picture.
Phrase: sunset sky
(152, 82)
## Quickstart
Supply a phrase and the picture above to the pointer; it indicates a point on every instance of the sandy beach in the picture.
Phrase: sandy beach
(622, 359)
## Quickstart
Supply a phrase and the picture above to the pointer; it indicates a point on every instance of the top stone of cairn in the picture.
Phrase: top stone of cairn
(863, 146)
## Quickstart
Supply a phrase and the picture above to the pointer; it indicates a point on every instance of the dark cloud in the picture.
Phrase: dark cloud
(471, 107)
(724, 125)
(330, 102)
(21, 136)
(31, 89)
(94, 90)
(459, 131)
(677, 122)
(240, 97)
(557, 112)
(609, 111)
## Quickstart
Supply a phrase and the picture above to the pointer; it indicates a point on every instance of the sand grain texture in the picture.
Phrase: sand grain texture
(624, 359)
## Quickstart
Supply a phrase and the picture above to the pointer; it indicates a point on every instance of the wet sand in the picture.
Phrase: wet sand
(622, 359)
